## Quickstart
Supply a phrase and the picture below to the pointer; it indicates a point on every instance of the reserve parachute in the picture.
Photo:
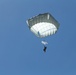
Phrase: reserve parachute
(43, 25)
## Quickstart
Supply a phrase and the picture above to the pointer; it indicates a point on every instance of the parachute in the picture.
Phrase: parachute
(43, 25)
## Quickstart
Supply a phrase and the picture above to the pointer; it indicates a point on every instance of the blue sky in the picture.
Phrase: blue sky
(21, 52)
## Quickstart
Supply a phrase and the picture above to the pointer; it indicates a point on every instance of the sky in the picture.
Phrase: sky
(21, 52)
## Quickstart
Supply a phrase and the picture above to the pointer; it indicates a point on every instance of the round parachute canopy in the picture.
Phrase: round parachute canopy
(43, 25)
